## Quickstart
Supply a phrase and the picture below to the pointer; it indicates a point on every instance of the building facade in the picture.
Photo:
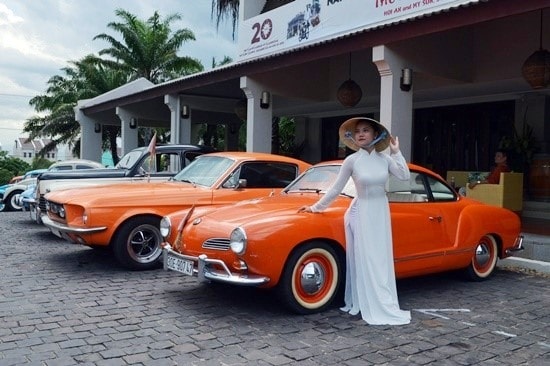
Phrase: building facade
(451, 78)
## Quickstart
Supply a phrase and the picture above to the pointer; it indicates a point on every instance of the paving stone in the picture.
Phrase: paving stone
(72, 305)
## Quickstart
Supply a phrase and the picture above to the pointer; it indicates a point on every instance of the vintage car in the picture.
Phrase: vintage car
(134, 166)
(267, 243)
(11, 195)
(126, 216)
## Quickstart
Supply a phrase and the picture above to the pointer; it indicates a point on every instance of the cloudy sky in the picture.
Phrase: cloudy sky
(39, 37)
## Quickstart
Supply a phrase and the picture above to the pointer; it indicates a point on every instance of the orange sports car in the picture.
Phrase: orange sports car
(265, 242)
(126, 216)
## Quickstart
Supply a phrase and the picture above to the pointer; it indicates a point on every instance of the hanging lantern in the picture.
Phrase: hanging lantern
(536, 69)
(240, 109)
(349, 93)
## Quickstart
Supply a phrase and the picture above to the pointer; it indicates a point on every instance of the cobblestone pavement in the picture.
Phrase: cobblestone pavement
(63, 304)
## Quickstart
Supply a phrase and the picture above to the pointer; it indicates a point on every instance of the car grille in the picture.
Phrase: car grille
(42, 203)
(216, 244)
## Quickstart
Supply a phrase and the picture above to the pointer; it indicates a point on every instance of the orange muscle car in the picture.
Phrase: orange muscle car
(126, 216)
(266, 243)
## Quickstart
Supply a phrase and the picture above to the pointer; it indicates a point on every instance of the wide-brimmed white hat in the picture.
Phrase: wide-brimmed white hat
(347, 133)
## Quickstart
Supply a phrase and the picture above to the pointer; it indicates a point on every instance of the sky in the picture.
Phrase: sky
(39, 37)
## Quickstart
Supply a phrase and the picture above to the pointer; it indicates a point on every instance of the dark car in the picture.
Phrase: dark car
(134, 166)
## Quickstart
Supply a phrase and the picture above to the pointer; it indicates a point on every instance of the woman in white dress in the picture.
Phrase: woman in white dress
(370, 277)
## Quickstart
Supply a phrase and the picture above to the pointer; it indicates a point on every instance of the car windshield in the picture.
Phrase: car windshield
(204, 170)
(128, 160)
(319, 179)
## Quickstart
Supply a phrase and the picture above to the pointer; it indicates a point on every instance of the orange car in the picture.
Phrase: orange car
(267, 243)
(126, 216)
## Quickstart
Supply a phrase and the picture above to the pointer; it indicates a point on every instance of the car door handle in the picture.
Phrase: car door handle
(436, 218)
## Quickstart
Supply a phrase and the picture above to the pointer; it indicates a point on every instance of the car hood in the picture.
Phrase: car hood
(268, 209)
(135, 193)
(84, 174)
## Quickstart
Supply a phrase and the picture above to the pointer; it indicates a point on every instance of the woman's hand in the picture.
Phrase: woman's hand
(394, 144)
(305, 209)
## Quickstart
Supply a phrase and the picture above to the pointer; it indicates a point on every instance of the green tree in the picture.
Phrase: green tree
(223, 9)
(149, 48)
(82, 79)
(40, 163)
(11, 166)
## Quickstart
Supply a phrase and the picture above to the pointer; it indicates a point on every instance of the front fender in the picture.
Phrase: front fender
(271, 241)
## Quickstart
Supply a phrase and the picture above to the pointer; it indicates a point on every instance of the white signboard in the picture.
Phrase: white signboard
(304, 22)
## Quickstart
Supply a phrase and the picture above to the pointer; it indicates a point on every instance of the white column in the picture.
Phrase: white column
(396, 105)
(129, 134)
(90, 141)
(180, 126)
(258, 120)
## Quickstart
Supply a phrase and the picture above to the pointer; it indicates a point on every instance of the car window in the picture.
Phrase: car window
(190, 156)
(80, 166)
(128, 160)
(263, 175)
(319, 178)
(440, 191)
(411, 190)
(205, 170)
(62, 167)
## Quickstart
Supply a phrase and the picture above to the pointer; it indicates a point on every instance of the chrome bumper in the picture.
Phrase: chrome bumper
(63, 228)
(205, 272)
(518, 246)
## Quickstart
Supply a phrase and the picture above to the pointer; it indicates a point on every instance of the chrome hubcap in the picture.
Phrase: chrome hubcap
(482, 255)
(312, 278)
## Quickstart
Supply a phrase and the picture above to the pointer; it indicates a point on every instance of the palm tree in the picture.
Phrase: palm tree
(148, 49)
(82, 80)
(222, 9)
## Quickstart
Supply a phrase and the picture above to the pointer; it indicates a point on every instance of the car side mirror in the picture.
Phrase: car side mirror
(242, 183)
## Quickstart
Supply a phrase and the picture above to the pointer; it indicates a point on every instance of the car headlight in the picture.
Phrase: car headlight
(237, 241)
(165, 227)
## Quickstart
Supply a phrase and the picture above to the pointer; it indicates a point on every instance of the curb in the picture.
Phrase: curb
(515, 263)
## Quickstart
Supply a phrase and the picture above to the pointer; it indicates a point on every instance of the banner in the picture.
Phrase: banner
(303, 22)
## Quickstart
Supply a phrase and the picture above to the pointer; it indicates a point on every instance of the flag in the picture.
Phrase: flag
(152, 149)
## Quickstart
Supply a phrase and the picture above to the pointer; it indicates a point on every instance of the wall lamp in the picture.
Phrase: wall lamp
(265, 99)
(133, 123)
(184, 111)
(97, 127)
(406, 79)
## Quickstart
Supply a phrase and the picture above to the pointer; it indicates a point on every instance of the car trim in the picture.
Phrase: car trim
(205, 273)
(517, 247)
(70, 230)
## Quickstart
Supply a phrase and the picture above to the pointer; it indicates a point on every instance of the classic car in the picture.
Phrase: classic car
(267, 243)
(126, 216)
(12, 193)
(26, 197)
(135, 166)
(9, 187)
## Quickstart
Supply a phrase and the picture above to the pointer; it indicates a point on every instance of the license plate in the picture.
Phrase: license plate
(180, 265)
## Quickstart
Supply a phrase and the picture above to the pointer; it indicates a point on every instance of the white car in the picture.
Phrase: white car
(11, 195)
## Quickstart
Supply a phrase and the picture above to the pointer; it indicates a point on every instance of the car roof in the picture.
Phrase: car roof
(244, 155)
(76, 161)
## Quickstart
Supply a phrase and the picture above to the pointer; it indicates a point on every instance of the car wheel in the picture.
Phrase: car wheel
(484, 260)
(137, 243)
(310, 279)
(11, 201)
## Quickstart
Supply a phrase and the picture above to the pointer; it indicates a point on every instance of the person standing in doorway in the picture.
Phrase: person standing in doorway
(370, 287)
